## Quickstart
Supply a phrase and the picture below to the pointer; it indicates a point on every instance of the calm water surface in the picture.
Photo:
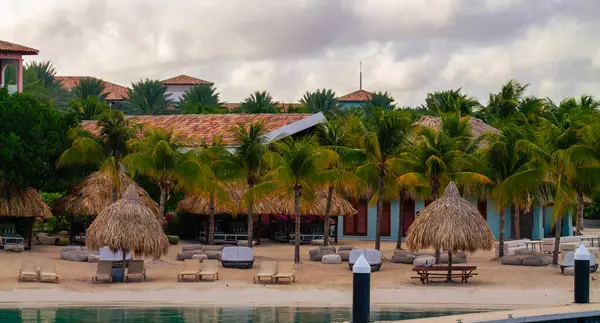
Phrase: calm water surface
(208, 315)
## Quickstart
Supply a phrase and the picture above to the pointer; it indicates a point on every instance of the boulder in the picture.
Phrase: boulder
(75, 255)
(317, 254)
(511, 260)
(534, 261)
(213, 254)
(341, 248)
(214, 248)
(403, 258)
(187, 254)
(331, 259)
(200, 256)
(344, 254)
(424, 261)
(93, 258)
(459, 258)
(192, 247)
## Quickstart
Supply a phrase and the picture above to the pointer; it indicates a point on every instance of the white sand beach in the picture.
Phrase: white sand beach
(496, 286)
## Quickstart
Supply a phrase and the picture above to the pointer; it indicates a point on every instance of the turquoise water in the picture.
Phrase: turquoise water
(208, 315)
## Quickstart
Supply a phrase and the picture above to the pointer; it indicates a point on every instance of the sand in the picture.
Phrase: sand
(501, 287)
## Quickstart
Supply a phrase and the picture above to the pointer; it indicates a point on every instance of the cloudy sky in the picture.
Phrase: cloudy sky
(287, 47)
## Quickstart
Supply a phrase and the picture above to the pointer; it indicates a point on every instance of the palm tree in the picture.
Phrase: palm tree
(106, 150)
(158, 155)
(89, 108)
(449, 101)
(382, 100)
(148, 97)
(321, 100)
(39, 80)
(381, 136)
(89, 86)
(295, 167)
(505, 103)
(201, 99)
(252, 145)
(258, 102)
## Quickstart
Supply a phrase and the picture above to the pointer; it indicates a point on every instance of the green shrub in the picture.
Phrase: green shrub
(62, 241)
(173, 239)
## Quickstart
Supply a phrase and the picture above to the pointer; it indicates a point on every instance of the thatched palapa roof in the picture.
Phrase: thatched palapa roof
(129, 225)
(450, 223)
(94, 194)
(22, 203)
(478, 127)
(270, 205)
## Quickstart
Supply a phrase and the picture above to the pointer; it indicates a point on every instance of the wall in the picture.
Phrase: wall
(371, 224)
(177, 91)
(351, 104)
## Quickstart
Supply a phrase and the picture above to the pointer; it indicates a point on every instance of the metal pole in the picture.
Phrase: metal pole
(361, 291)
(582, 275)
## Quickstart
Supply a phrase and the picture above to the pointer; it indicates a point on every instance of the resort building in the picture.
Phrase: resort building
(115, 93)
(355, 99)
(11, 65)
(177, 85)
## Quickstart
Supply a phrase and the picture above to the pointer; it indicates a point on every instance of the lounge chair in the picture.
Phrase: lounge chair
(285, 270)
(191, 267)
(210, 267)
(373, 257)
(237, 257)
(568, 262)
(268, 269)
(48, 273)
(593, 264)
(104, 271)
(28, 270)
(136, 269)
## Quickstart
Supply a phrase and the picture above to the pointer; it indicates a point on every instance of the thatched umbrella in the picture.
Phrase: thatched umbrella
(22, 203)
(450, 223)
(275, 204)
(94, 194)
(128, 225)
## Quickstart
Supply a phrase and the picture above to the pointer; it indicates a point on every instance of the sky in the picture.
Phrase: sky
(288, 47)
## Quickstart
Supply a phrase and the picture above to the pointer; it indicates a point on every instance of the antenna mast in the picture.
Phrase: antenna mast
(360, 77)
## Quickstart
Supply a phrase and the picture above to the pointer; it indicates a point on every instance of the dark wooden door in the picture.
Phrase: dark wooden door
(482, 207)
(386, 220)
(356, 225)
(408, 215)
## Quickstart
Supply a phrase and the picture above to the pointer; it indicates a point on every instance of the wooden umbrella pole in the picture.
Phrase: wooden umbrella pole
(124, 256)
(449, 265)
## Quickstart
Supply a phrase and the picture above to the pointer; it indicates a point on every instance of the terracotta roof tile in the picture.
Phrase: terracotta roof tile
(193, 128)
(286, 106)
(356, 96)
(16, 48)
(185, 80)
(114, 92)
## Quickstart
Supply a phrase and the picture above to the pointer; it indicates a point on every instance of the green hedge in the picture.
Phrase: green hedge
(173, 239)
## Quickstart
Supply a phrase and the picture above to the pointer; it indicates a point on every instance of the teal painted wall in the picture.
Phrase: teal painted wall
(493, 219)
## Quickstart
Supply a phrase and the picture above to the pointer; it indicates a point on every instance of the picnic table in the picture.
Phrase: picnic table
(591, 239)
(425, 274)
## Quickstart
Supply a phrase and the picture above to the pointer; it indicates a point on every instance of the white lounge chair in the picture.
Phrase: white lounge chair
(268, 269)
(28, 270)
(237, 257)
(569, 261)
(48, 273)
(210, 267)
(373, 257)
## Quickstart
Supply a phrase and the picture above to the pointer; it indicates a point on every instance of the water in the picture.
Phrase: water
(204, 315)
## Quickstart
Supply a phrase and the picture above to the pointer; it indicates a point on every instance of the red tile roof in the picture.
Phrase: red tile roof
(286, 106)
(356, 96)
(185, 80)
(15, 48)
(193, 128)
(114, 92)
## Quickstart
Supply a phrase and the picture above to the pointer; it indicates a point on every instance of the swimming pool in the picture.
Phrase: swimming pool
(204, 314)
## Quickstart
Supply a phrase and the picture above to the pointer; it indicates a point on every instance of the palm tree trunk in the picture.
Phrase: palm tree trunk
(379, 212)
(250, 220)
(558, 228)
(211, 221)
(123, 264)
(449, 265)
(327, 216)
(579, 226)
(501, 235)
(400, 220)
(435, 186)
(517, 221)
(161, 206)
(115, 193)
(258, 229)
(297, 194)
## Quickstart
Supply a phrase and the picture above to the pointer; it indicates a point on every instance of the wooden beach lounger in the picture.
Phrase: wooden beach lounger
(268, 269)
(191, 267)
(48, 273)
(285, 270)
(136, 270)
(103, 272)
(28, 270)
(210, 267)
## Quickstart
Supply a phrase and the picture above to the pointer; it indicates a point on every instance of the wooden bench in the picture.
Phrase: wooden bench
(427, 274)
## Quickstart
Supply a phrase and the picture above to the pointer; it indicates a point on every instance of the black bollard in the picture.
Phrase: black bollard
(361, 291)
(582, 275)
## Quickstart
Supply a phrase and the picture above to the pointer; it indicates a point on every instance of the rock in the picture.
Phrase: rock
(317, 254)
(187, 254)
(424, 261)
(14, 247)
(534, 261)
(200, 256)
(192, 247)
(213, 254)
(349, 248)
(244, 243)
(63, 234)
(344, 254)
(331, 259)
(403, 258)
(317, 242)
(93, 258)
(75, 255)
(511, 260)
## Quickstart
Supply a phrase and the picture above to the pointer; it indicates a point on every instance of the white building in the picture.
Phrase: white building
(177, 85)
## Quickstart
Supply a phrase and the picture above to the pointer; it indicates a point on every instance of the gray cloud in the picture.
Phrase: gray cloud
(408, 48)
